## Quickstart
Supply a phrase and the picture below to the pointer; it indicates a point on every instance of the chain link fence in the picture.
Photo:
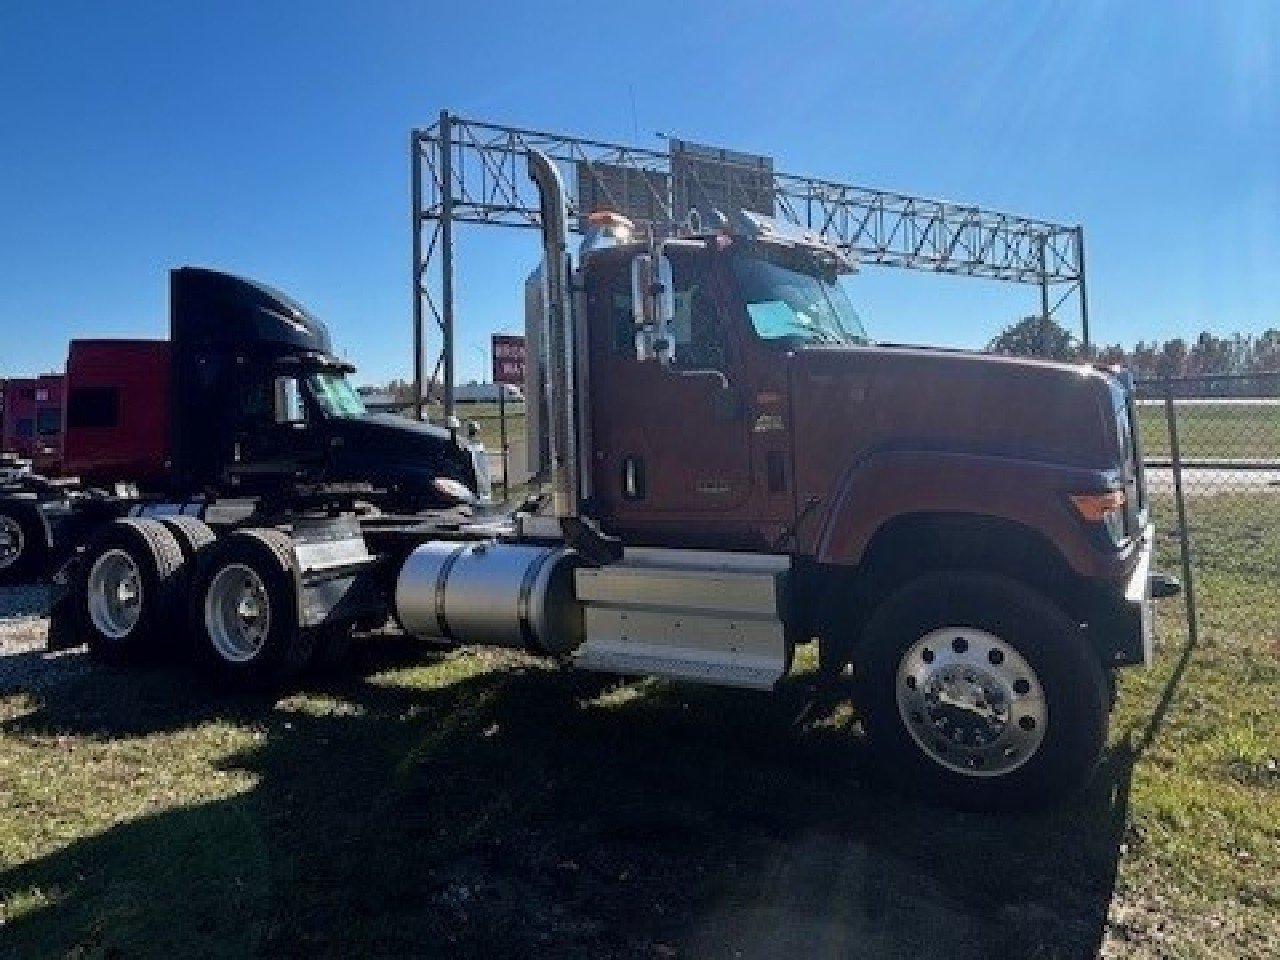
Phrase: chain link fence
(1211, 448)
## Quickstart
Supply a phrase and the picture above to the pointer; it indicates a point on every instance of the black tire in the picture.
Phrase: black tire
(161, 581)
(20, 521)
(193, 536)
(948, 712)
(283, 649)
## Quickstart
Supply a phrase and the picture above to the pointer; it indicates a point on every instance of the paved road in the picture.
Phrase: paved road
(1213, 481)
(1213, 401)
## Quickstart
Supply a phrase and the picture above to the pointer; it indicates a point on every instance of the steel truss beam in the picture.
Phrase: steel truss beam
(466, 171)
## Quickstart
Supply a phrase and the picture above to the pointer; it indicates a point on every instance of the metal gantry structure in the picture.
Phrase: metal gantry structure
(472, 172)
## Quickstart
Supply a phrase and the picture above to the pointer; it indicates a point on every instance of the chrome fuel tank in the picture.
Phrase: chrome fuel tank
(488, 592)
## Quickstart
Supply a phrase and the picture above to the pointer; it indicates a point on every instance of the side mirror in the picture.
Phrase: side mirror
(653, 307)
(664, 295)
(641, 305)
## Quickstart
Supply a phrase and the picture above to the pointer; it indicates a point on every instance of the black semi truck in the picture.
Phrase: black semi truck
(245, 408)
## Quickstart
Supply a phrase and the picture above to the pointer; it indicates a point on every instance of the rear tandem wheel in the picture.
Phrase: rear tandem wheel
(127, 592)
(243, 614)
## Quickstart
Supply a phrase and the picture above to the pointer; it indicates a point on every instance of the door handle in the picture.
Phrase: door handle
(712, 374)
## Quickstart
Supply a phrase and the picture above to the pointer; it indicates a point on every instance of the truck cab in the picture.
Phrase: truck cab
(760, 416)
(967, 536)
(247, 397)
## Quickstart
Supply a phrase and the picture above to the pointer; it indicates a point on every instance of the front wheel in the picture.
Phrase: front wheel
(980, 691)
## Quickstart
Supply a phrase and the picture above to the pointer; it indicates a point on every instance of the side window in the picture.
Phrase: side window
(49, 421)
(289, 407)
(618, 306)
(23, 428)
(93, 408)
(697, 332)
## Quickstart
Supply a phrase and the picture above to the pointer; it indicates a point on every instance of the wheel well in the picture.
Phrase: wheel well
(912, 544)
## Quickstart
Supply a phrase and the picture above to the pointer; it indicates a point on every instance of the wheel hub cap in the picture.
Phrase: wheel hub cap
(115, 593)
(237, 613)
(971, 701)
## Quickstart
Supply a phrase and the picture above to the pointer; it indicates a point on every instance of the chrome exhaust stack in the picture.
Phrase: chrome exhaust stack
(556, 341)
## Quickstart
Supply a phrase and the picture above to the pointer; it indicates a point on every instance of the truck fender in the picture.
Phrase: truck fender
(889, 484)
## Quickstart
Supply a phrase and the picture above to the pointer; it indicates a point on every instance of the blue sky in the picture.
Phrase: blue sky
(270, 138)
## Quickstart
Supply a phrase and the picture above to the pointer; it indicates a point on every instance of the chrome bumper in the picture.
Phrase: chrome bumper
(1137, 596)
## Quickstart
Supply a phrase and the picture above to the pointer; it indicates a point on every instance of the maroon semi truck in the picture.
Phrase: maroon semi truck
(735, 470)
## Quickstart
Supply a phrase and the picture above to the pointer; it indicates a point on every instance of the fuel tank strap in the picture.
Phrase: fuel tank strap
(442, 581)
(523, 603)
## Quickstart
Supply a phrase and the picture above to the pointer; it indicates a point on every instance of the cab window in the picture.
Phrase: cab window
(696, 327)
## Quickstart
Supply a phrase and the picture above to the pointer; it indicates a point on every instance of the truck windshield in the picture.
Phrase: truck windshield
(786, 302)
(335, 396)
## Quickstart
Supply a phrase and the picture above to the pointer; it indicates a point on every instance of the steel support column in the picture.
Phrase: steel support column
(1044, 294)
(1084, 293)
(415, 189)
(446, 257)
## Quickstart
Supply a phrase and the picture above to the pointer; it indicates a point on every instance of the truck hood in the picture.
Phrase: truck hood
(384, 446)
(855, 401)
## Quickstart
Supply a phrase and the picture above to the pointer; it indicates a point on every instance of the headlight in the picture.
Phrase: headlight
(451, 489)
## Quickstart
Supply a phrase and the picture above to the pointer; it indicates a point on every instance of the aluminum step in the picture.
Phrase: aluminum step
(702, 616)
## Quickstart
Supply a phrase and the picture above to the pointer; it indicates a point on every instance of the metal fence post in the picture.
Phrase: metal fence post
(1184, 535)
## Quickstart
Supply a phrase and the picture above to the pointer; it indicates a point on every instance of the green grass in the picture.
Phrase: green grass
(1217, 431)
(481, 804)
(486, 417)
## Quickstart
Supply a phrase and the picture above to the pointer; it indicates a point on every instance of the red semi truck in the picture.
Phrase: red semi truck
(31, 419)
(735, 470)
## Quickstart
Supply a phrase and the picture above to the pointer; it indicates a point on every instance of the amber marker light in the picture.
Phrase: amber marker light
(1096, 506)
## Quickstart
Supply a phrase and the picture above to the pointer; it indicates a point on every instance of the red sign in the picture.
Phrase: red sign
(508, 359)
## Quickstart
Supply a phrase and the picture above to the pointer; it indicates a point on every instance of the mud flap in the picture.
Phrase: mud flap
(64, 619)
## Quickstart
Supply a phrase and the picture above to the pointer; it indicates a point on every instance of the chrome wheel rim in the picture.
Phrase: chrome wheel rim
(12, 541)
(115, 593)
(237, 613)
(971, 702)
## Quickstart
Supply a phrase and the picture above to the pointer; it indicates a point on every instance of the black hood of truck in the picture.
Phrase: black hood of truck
(391, 451)
(209, 308)
(391, 433)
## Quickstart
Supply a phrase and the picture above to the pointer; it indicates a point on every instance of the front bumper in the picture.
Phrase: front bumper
(1121, 620)
(1137, 596)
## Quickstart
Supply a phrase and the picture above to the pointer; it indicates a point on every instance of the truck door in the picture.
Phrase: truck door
(672, 442)
(276, 432)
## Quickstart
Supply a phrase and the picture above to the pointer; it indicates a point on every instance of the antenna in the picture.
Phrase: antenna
(635, 123)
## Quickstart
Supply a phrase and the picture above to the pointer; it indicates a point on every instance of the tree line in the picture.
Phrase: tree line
(1205, 356)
